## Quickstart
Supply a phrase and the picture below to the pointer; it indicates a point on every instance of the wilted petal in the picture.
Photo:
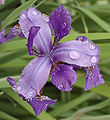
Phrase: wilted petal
(34, 77)
(64, 77)
(32, 17)
(60, 20)
(40, 104)
(76, 52)
(93, 77)
(32, 33)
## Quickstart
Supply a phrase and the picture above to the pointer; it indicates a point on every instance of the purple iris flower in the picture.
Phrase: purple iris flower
(55, 60)
(15, 31)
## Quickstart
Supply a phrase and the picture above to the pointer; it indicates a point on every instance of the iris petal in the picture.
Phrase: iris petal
(34, 77)
(76, 52)
(32, 33)
(40, 104)
(64, 77)
(60, 19)
(93, 78)
(32, 17)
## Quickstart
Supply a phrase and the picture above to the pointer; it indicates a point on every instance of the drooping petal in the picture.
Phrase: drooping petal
(60, 20)
(32, 17)
(34, 77)
(64, 77)
(32, 33)
(93, 77)
(37, 103)
(40, 104)
(76, 52)
(2, 39)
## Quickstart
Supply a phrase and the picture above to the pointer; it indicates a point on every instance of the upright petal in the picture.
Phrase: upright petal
(93, 77)
(64, 77)
(32, 33)
(76, 52)
(34, 77)
(32, 17)
(60, 19)
(40, 104)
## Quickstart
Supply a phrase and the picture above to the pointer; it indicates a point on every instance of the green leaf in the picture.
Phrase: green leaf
(102, 117)
(82, 111)
(92, 36)
(6, 116)
(61, 109)
(94, 17)
(13, 15)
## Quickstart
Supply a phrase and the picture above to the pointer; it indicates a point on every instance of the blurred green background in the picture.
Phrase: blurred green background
(88, 16)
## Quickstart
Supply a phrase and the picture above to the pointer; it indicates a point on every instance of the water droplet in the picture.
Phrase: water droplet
(63, 25)
(71, 68)
(74, 55)
(100, 77)
(18, 89)
(31, 92)
(46, 106)
(92, 47)
(62, 52)
(30, 64)
(34, 12)
(53, 73)
(93, 59)
(23, 16)
(61, 85)
(86, 41)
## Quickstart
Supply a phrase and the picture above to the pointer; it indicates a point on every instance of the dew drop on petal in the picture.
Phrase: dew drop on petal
(30, 64)
(31, 92)
(23, 16)
(93, 59)
(74, 55)
(61, 85)
(34, 12)
(63, 25)
(46, 106)
(53, 73)
(92, 47)
(18, 89)
(71, 68)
